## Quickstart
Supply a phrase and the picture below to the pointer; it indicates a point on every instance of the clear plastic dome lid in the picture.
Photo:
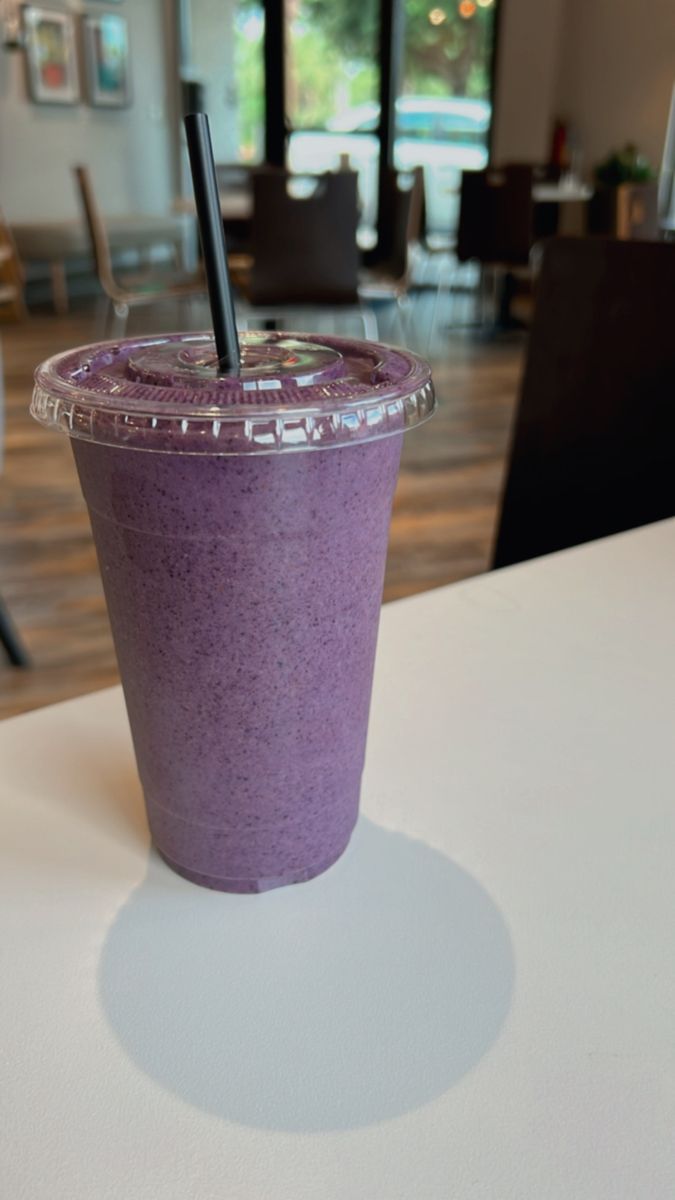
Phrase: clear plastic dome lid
(294, 392)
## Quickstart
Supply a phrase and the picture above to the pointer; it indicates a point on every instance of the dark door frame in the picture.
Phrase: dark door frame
(390, 50)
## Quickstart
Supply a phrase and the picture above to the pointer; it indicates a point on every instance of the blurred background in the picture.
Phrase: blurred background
(473, 143)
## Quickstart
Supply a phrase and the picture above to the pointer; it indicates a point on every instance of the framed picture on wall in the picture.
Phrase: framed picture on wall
(51, 56)
(106, 57)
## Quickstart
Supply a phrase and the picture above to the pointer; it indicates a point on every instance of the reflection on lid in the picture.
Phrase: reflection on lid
(182, 370)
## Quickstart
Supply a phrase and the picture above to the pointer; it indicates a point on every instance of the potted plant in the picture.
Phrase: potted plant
(625, 201)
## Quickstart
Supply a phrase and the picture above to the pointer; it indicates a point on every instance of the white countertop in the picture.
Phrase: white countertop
(478, 1001)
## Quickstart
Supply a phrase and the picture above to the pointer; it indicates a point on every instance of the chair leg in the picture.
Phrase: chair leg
(120, 316)
(107, 328)
(14, 647)
(369, 320)
(494, 299)
(403, 328)
(437, 303)
(483, 291)
(422, 267)
(102, 309)
(59, 281)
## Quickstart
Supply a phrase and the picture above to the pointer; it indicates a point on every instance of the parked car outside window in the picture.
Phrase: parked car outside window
(444, 136)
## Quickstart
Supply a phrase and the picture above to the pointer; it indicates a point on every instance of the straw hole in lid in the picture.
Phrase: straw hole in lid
(380, 375)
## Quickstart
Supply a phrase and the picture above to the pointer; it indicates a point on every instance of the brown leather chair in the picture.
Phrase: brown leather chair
(496, 216)
(305, 253)
(593, 448)
(304, 247)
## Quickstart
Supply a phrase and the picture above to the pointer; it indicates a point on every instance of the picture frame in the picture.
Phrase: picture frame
(107, 60)
(51, 56)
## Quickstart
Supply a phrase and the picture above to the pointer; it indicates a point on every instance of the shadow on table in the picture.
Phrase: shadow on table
(341, 1002)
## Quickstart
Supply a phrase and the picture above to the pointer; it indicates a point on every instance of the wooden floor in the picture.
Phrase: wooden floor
(443, 522)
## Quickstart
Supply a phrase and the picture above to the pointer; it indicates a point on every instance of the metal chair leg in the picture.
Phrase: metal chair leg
(443, 274)
(402, 321)
(119, 322)
(14, 647)
(369, 320)
(102, 306)
(106, 319)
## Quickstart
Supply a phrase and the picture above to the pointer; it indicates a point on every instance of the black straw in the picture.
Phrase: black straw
(212, 237)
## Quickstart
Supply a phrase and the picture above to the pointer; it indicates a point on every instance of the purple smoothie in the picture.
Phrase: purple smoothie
(244, 592)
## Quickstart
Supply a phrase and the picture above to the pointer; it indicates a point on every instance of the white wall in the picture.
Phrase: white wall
(129, 151)
(616, 74)
(526, 79)
(606, 65)
(212, 52)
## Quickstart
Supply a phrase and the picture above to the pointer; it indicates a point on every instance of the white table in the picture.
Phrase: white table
(572, 192)
(477, 1001)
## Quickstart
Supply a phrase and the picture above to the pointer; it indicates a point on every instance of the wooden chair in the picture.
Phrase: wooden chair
(128, 290)
(12, 302)
(593, 449)
(305, 254)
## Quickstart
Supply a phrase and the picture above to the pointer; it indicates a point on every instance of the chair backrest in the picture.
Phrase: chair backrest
(304, 250)
(496, 215)
(593, 448)
(100, 246)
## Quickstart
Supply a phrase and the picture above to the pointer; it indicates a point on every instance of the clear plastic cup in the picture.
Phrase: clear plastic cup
(241, 528)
